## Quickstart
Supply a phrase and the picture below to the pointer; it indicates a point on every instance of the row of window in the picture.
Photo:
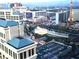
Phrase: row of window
(2, 35)
(1, 13)
(31, 52)
(2, 16)
(51, 14)
(12, 17)
(7, 13)
(24, 54)
(2, 56)
(41, 14)
(14, 55)
(8, 16)
(8, 51)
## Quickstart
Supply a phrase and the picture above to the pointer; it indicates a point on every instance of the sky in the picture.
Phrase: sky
(33, 1)
(25, 1)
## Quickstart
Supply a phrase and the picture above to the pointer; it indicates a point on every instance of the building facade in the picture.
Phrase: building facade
(59, 16)
(12, 43)
(19, 12)
(10, 14)
(15, 12)
(56, 16)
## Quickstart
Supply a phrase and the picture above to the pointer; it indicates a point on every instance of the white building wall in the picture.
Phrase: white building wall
(2, 30)
(5, 54)
(13, 31)
(18, 51)
(9, 47)
(10, 16)
(57, 18)
(28, 48)
(33, 15)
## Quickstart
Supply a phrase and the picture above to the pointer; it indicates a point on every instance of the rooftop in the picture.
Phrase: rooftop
(4, 23)
(52, 50)
(20, 42)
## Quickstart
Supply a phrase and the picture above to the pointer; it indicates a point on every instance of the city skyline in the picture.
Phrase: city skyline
(36, 1)
(41, 3)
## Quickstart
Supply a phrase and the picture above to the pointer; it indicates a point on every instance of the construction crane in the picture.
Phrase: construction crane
(70, 19)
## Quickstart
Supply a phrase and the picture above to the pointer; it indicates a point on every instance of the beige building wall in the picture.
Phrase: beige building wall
(10, 32)
(13, 31)
(16, 31)
(7, 34)
(2, 34)
(76, 14)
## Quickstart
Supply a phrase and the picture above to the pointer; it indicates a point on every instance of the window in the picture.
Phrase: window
(24, 55)
(1, 34)
(0, 45)
(21, 17)
(14, 55)
(21, 57)
(6, 50)
(33, 51)
(7, 13)
(4, 36)
(1, 16)
(29, 52)
(6, 58)
(8, 17)
(2, 41)
(0, 53)
(12, 17)
(1, 13)
(3, 57)
(15, 18)
(9, 51)
(3, 47)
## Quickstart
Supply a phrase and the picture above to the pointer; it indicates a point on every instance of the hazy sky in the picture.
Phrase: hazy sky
(26, 1)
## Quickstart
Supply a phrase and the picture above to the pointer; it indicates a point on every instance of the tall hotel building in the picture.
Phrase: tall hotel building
(14, 12)
(57, 16)
(13, 44)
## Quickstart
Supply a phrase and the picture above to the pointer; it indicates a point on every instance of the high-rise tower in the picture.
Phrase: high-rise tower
(70, 19)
